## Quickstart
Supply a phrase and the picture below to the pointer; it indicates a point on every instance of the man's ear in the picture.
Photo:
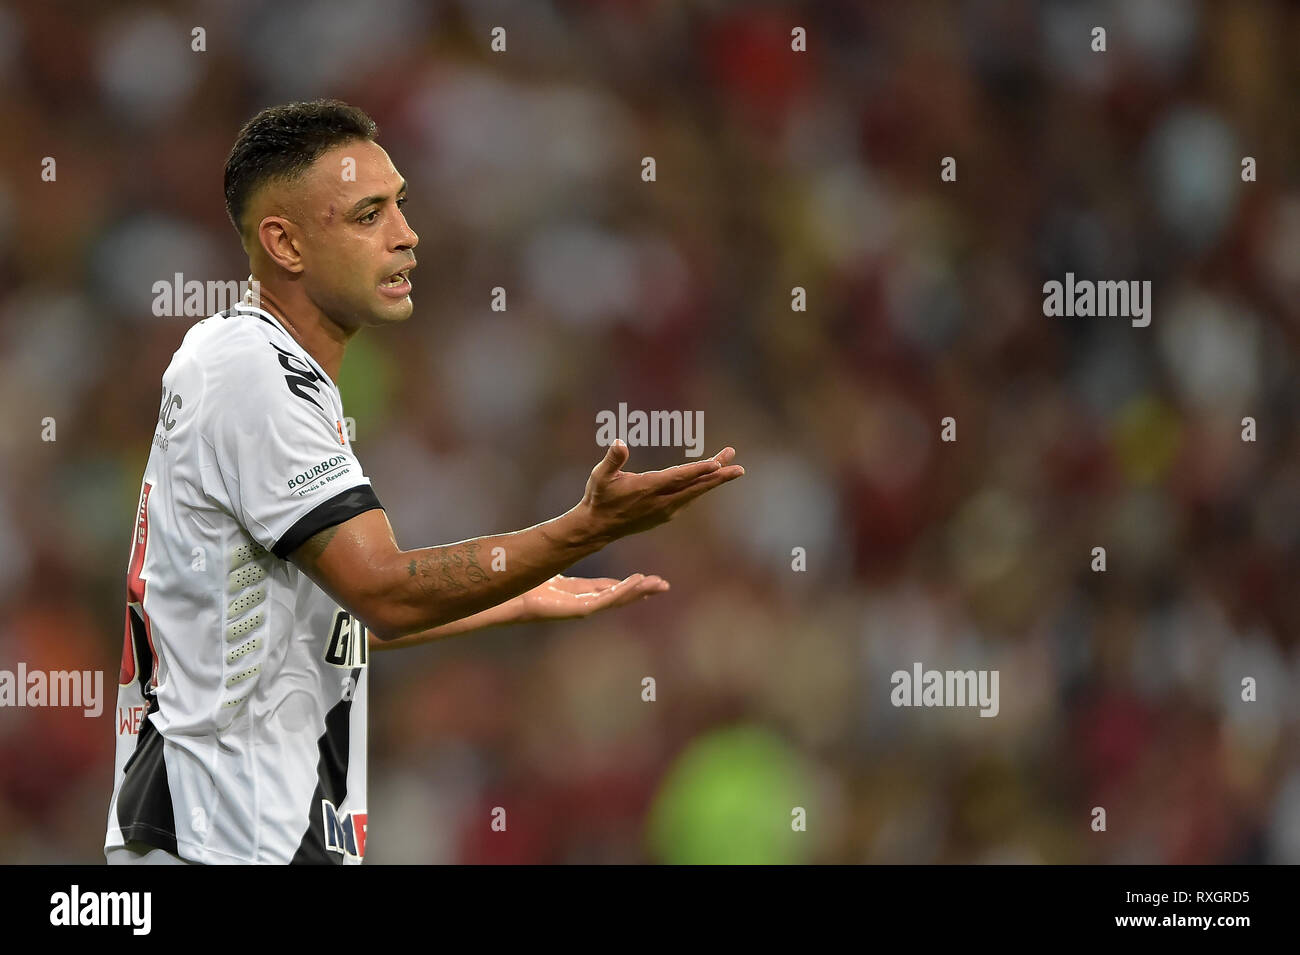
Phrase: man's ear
(277, 237)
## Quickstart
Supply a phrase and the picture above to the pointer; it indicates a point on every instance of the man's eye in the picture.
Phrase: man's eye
(370, 216)
(401, 202)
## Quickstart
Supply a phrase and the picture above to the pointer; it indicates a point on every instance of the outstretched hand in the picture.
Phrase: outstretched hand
(563, 598)
(618, 503)
(622, 502)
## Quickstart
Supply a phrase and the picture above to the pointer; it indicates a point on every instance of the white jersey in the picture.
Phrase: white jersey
(241, 719)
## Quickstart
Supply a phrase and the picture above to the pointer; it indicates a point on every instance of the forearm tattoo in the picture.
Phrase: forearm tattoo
(453, 568)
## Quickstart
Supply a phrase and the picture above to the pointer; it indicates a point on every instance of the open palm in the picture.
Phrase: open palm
(562, 598)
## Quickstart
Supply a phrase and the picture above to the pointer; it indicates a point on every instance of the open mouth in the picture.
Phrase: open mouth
(397, 283)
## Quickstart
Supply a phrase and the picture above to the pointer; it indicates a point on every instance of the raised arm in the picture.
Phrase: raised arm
(396, 593)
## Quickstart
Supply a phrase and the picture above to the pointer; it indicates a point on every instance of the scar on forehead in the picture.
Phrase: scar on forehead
(329, 216)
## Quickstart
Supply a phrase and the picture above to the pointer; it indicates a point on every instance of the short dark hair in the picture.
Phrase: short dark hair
(280, 142)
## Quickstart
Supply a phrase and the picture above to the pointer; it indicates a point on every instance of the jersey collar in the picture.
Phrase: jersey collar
(247, 306)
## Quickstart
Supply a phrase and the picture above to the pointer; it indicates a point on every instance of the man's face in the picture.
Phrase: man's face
(353, 237)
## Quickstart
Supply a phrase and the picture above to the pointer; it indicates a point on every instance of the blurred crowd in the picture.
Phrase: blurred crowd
(775, 169)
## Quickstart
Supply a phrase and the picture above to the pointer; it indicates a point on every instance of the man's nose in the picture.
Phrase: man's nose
(407, 237)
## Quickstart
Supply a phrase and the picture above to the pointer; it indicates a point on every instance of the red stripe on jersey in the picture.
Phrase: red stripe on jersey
(135, 587)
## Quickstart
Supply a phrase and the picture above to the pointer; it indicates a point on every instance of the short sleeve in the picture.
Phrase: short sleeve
(278, 460)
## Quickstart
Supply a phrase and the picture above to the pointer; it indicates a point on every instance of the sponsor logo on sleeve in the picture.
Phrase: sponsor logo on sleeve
(319, 475)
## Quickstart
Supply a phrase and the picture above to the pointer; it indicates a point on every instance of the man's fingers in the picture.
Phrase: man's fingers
(637, 502)
(706, 483)
(584, 585)
(642, 585)
(675, 478)
(685, 474)
(646, 587)
(713, 479)
(670, 480)
(626, 591)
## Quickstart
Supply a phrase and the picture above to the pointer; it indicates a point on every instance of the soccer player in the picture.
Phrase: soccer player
(263, 569)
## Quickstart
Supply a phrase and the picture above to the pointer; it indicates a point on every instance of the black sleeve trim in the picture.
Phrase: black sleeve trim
(344, 505)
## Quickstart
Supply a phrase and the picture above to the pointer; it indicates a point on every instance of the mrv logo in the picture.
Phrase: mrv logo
(346, 836)
(946, 688)
(103, 908)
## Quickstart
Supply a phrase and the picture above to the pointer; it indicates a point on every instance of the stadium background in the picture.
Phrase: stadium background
(775, 169)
